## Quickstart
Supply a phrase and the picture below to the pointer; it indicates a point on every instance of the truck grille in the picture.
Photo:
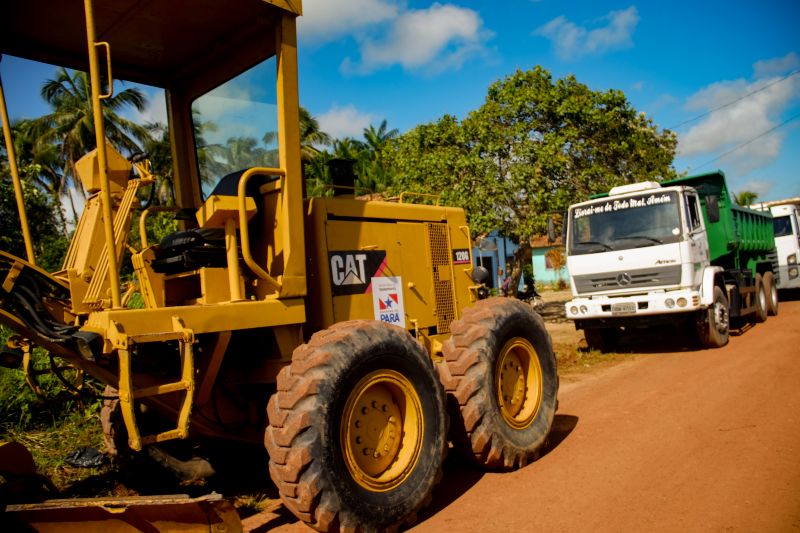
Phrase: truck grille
(628, 279)
(443, 288)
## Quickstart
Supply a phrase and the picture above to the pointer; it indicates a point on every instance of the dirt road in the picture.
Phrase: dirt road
(705, 440)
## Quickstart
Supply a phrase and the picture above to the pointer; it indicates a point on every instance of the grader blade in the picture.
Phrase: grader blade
(140, 513)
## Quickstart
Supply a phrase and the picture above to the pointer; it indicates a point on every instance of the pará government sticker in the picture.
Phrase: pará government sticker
(387, 300)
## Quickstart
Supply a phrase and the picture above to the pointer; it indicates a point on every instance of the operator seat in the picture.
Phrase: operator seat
(190, 249)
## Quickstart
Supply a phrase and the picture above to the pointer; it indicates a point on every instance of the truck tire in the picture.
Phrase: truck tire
(771, 288)
(357, 428)
(500, 374)
(713, 324)
(760, 314)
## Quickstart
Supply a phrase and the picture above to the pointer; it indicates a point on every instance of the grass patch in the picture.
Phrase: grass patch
(50, 426)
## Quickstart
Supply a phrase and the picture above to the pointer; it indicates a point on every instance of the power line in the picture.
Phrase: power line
(735, 148)
(723, 106)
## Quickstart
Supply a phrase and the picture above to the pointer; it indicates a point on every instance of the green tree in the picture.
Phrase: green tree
(311, 136)
(375, 175)
(70, 126)
(745, 198)
(47, 232)
(534, 147)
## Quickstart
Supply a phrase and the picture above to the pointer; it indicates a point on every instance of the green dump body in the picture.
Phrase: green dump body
(741, 238)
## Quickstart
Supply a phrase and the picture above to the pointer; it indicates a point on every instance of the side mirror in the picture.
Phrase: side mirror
(712, 208)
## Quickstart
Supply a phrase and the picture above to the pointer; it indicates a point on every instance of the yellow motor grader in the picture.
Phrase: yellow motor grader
(351, 335)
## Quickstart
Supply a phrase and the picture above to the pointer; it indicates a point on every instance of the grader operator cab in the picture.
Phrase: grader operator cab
(335, 329)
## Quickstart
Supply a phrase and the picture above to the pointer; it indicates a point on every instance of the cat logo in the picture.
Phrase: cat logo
(351, 271)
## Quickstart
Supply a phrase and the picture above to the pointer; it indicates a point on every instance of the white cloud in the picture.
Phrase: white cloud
(756, 107)
(156, 110)
(340, 122)
(639, 85)
(325, 20)
(777, 66)
(762, 187)
(572, 41)
(436, 39)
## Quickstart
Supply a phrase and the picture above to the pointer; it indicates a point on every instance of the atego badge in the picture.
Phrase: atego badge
(352, 271)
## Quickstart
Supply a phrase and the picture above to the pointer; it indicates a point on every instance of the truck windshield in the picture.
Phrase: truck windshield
(236, 124)
(623, 223)
(782, 225)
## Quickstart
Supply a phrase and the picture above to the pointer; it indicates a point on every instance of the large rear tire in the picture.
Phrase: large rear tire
(713, 324)
(771, 289)
(760, 314)
(357, 428)
(500, 371)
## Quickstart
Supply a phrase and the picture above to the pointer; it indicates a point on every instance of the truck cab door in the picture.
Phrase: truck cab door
(696, 236)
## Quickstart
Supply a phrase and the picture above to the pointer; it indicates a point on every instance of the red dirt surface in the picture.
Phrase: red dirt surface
(674, 440)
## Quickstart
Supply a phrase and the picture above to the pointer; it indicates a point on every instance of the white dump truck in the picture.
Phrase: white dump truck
(678, 251)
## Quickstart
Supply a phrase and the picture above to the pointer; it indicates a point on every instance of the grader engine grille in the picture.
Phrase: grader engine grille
(439, 247)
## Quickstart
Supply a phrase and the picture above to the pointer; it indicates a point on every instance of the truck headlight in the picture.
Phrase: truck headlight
(584, 309)
(792, 259)
(573, 310)
(670, 303)
(793, 272)
(682, 302)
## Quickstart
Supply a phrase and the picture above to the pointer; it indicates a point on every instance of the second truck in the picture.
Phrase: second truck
(678, 251)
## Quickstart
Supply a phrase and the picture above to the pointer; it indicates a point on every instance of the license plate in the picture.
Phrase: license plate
(627, 308)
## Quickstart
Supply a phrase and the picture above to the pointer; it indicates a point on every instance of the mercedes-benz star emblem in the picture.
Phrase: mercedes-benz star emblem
(624, 279)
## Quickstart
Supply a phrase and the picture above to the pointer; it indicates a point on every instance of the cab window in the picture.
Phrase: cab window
(236, 124)
(692, 213)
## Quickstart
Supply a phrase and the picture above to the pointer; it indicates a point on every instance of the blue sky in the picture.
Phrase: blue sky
(729, 68)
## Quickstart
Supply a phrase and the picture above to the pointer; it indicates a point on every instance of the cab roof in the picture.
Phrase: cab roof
(164, 43)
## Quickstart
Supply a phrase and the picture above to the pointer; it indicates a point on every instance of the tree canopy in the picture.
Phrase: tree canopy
(535, 146)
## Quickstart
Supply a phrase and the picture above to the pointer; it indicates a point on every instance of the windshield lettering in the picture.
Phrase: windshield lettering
(639, 221)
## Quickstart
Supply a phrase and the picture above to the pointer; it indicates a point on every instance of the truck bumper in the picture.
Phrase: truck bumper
(637, 309)
(787, 281)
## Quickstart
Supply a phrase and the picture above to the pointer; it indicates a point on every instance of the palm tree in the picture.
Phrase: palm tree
(70, 126)
(39, 164)
(378, 139)
(311, 137)
(745, 198)
(374, 175)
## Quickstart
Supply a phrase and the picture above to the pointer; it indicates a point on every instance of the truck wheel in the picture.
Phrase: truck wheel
(357, 428)
(771, 289)
(713, 324)
(761, 301)
(500, 373)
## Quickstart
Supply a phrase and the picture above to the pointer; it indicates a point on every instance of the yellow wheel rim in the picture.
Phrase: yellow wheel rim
(381, 432)
(518, 379)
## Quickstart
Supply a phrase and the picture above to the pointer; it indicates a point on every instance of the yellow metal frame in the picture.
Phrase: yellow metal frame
(100, 136)
(128, 394)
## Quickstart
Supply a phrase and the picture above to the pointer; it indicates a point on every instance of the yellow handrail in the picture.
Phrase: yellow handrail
(244, 233)
(110, 92)
(420, 194)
